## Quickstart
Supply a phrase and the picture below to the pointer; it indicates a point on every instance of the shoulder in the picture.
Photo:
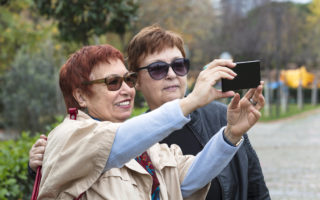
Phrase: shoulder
(71, 132)
(164, 153)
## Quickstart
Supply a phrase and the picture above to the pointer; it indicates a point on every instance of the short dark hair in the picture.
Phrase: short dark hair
(150, 40)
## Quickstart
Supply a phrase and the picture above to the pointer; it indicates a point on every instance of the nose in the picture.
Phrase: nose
(171, 73)
(125, 89)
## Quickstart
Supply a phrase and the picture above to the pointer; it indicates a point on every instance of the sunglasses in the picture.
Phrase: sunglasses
(158, 70)
(114, 81)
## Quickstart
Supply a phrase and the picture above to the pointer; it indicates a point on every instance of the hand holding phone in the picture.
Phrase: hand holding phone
(248, 76)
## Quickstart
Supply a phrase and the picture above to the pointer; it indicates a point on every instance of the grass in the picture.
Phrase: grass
(292, 110)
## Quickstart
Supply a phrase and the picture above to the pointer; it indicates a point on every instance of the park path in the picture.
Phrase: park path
(289, 152)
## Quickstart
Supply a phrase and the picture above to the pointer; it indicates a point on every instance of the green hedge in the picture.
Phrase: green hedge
(15, 182)
(14, 154)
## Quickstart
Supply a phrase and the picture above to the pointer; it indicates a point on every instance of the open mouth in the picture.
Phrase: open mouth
(123, 103)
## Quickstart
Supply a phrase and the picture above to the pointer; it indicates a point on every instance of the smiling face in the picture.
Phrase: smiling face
(115, 106)
(158, 92)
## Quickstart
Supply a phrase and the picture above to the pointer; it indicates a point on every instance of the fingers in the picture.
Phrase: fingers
(250, 93)
(35, 160)
(258, 98)
(235, 101)
(221, 62)
(38, 150)
(40, 142)
(254, 117)
(34, 164)
(225, 94)
(36, 153)
(213, 75)
(43, 137)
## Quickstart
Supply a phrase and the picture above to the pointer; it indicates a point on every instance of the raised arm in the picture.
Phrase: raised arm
(242, 115)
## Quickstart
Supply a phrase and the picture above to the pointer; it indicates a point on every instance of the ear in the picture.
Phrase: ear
(80, 97)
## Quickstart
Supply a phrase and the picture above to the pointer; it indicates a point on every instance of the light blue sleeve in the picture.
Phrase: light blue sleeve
(208, 163)
(139, 133)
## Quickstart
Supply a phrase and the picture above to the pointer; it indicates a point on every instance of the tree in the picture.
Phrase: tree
(79, 20)
(19, 26)
(271, 31)
(194, 20)
(313, 28)
(29, 91)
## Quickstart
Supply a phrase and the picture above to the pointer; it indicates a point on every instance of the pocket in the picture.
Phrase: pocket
(118, 184)
(121, 174)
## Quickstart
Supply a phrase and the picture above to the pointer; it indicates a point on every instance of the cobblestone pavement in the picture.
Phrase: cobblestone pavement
(290, 156)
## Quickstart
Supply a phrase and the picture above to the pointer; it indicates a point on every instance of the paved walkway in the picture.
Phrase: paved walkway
(289, 152)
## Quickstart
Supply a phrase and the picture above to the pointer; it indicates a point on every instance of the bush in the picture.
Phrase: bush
(29, 91)
(14, 154)
(15, 182)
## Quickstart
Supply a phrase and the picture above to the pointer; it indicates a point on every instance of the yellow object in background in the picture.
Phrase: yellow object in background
(292, 77)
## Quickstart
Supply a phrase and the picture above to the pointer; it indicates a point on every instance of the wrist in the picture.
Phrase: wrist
(188, 104)
(31, 172)
(234, 139)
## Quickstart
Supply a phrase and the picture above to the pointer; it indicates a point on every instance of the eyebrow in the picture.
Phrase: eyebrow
(159, 60)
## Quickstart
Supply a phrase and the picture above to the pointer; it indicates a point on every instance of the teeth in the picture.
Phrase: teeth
(125, 103)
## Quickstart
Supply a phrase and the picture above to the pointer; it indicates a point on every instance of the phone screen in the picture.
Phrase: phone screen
(248, 76)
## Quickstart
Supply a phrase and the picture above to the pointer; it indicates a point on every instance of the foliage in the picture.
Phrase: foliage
(192, 19)
(313, 22)
(19, 26)
(78, 20)
(29, 91)
(274, 32)
(14, 182)
(139, 111)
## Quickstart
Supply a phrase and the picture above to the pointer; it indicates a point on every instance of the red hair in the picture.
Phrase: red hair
(79, 67)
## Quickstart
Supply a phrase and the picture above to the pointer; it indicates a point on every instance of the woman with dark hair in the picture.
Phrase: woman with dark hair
(157, 55)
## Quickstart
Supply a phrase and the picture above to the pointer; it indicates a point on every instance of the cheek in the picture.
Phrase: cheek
(183, 82)
(133, 93)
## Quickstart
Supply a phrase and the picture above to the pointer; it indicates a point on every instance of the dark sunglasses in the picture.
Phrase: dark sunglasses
(158, 70)
(114, 81)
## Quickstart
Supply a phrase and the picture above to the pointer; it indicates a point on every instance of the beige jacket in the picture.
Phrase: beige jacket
(133, 182)
(77, 152)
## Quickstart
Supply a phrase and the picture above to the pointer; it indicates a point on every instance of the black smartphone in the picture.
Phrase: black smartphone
(248, 76)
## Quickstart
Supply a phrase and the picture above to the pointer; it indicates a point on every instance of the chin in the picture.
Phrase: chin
(124, 117)
(174, 96)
